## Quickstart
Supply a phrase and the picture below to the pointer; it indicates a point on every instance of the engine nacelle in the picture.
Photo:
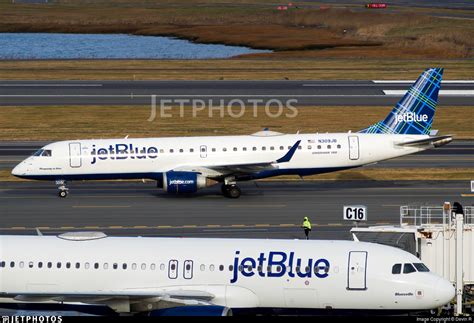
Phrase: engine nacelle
(184, 182)
(192, 310)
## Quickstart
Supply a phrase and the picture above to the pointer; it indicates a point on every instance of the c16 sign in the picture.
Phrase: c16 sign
(355, 213)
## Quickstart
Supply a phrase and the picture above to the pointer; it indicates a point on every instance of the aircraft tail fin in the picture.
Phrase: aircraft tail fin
(414, 113)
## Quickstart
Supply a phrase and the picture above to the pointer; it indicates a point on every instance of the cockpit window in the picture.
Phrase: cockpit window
(38, 152)
(421, 267)
(408, 268)
(397, 268)
(43, 153)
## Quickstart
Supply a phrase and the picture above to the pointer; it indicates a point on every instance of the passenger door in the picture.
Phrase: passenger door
(75, 155)
(353, 147)
(357, 270)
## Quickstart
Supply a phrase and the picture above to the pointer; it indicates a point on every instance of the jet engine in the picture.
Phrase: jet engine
(184, 182)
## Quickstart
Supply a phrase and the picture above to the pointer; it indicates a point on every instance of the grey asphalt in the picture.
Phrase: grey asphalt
(341, 93)
(265, 210)
(457, 154)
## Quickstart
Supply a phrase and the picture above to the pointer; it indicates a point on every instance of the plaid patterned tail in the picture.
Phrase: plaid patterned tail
(414, 113)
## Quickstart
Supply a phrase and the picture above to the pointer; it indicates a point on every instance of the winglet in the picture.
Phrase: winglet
(289, 154)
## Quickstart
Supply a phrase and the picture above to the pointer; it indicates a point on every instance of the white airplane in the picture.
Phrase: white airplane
(206, 276)
(186, 164)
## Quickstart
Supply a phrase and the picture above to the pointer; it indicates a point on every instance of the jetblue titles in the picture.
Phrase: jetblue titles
(123, 151)
(278, 264)
(410, 117)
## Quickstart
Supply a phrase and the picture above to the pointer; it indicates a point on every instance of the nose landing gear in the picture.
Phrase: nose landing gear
(63, 190)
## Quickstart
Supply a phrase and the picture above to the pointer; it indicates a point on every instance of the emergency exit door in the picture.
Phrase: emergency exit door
(353, 147)
(203, 150)
(357, 270)
(75, 154)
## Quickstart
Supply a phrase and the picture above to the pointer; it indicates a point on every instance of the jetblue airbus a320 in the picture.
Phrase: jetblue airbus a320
(186, 164)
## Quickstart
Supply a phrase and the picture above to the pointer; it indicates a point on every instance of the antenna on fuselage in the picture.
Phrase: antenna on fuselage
(38, 232)
(126, 137)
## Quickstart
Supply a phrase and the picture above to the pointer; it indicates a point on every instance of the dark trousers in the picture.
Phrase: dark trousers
(306, 232)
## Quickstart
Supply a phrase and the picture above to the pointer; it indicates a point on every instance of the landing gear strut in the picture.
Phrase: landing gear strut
(231, 191)
(63, 190)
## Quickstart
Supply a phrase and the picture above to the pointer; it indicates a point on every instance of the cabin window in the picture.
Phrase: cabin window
(224, 149)
(299, 147)
(96, 265)
(231, 268)
(162, 151)
(338, 146)
(68, 265)
(40, 265)
(30, 264)
(421, 267)
(153, 267)
(203, 267)
(329, 146)
(289, 147)
(259, 269)
(22, 264)
(106, 266)
(297, 269)
(309, 147)
(264, 148)
(134, 266)
(279, 268)
(171, 151)
(78, 265)
(191, 150)
(272, 148)
(254, 148)
(319, 146)
(124, 266)
(143, 267)
(162, 267)
(2, 264)
(12, 264)
(269, 269)
(281, 147)
(221, 267)
(397, 269)
(235, 148)
(211, 267)
(115, 266)
(181, 150)
(86, 265)
(50, 264)
(58, 265)
(241, 268)
(213, 150)
(408, 269)
(244, 148)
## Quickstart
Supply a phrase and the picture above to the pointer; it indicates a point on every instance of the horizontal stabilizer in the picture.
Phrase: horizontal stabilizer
(434, 141)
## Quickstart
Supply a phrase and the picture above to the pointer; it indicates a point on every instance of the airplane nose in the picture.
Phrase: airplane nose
(19, 169)
(444, 291)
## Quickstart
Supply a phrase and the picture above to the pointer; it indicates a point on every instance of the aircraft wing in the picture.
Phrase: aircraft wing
(435, 141)
(138, 299)
(240, 169)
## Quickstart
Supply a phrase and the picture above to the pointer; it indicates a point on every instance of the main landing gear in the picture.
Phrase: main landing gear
(230, 189)
(63, 190)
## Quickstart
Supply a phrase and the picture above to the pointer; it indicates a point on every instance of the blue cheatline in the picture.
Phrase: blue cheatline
(415, 112)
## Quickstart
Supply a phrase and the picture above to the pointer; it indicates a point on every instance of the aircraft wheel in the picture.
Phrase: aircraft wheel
(62, 194)
(234, 192)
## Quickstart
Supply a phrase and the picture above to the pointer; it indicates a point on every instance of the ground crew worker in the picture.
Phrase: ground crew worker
(306, 226)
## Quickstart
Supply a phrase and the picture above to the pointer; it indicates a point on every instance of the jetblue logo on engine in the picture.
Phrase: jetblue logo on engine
(123, 151)
(181, 182)
(278, 264)
(410, 117)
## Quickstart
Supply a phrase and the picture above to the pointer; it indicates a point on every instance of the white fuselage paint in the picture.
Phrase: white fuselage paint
(353, 275)
(318, 153)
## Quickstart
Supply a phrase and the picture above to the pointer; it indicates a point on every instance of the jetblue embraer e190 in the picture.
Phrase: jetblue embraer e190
(198, 276)
(186, 164)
